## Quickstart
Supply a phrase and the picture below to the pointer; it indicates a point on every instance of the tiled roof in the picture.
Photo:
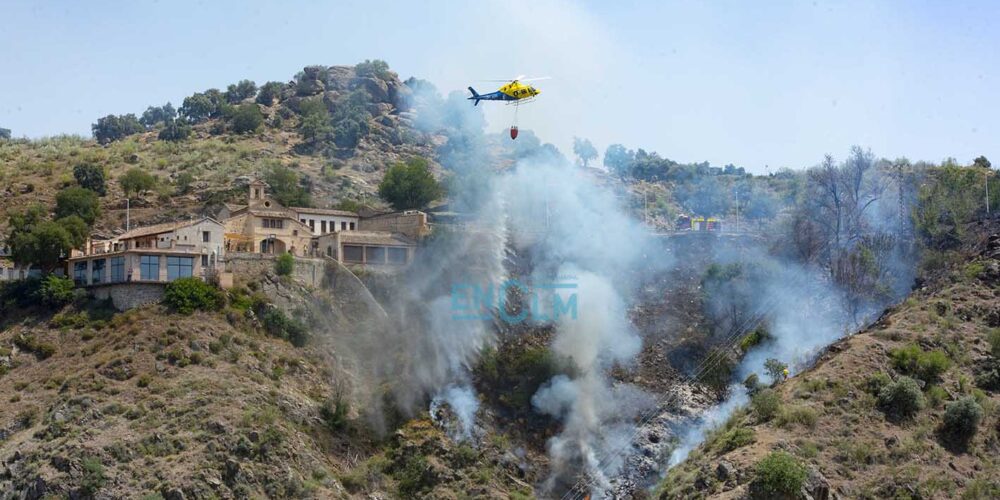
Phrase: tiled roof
(374, 238)
(324, 211)
(165, 227)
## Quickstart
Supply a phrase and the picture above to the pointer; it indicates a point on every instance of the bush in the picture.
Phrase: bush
(247, 118)
(90, 176)
(277, 324)
(42, 350)
(285, 264)
(925, 365)
(334, 413)
(185, 295)
(377, 68)
(766, 404)
(55, 290)
(875, 383)
(802, 415)
(961, 418)
(240, 91)
(158, 114)
(734, 438)
(752, 384)
(901, 399)
(778, 474)
(93, 475)
(175, 131)
(994, 339)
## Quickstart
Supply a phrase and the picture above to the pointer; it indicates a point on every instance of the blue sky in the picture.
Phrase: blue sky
(757, 84)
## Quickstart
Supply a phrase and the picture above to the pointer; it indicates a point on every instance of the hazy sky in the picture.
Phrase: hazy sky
(751, 83)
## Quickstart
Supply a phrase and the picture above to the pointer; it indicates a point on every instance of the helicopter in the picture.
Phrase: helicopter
(515, 92)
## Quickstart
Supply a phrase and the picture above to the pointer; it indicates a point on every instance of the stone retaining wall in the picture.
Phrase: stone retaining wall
(125, 296)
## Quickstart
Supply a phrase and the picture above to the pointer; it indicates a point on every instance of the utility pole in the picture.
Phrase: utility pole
(737, 209)
(127, 209)
(987, 192)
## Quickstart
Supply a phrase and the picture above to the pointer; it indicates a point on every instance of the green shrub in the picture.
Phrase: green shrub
(185, 295)
(734, 438)
(766, 404)
(55, 290)
(936, 396)
(754, 338)
(925, 365)
(778, 474)
(875, 383)
(961, 418)
(752, 384)
(802, 415)
(334, 413)
(247, 118)
(91, 177)
(285, 264)
(994, 339)
(277, 324)
(42, 350)
(93, 475)
(414, 477)
(901, 399)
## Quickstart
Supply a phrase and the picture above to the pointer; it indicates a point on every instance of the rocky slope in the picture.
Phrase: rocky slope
(834, 419)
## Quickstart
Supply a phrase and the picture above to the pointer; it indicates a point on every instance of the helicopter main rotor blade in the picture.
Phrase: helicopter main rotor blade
(536, 79)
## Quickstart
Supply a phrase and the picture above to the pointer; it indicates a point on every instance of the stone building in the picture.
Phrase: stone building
(367, 247)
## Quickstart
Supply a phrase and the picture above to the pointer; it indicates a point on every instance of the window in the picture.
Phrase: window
(343, 226)
(97, 271)
(352, 253)
(149, 267)
(179, 267)
(80, 273)
(329, 251)
(273, 223)
(352, 226)
(303, 221)
(206, 236)
(323, 227)
(312, 224)
(117, 269)
(204, 261)
(397, 255)
(375, 255)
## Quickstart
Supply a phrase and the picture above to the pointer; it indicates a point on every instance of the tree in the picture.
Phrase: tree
(136, 181)
(982, 162)
(90, 176)
(55, 290)
(286, 187)
(247, 118)
(373, 68)
(80, 202)
(584, 150)
(351, 119)
(197, 108)
(315, 126)
(617, 159)
(112, 127)
(409, 185)
(4, 134)
(237, 92)
(77, 228)
(174, 131)
(44, 245)
(776, 369)
(269, 92)
(155, 115)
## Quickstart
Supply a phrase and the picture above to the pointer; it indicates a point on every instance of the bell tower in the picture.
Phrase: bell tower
(258, 188)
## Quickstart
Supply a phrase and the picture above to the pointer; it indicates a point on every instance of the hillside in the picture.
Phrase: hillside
(197, 172)
(832, 420)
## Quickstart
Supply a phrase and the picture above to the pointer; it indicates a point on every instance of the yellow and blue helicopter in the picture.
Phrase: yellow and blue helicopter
(515, 92)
